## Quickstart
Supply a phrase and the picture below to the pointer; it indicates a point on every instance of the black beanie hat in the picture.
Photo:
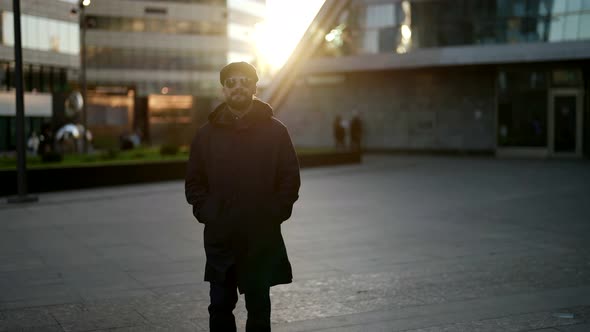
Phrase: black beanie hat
(243, 67)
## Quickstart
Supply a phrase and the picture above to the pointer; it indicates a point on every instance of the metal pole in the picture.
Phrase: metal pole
(20, 113)
(83, 74)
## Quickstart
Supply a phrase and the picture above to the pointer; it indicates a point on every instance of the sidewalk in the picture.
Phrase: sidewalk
(396, 244)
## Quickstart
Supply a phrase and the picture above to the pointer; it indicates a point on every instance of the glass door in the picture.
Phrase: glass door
(565, 120)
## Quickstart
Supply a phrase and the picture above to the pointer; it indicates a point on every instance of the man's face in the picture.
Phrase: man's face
(238, 90)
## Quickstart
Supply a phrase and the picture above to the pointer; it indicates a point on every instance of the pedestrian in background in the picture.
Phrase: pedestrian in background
(339, 133)
(33, 143)
(242, 181)
(46, 140)
(356, 132)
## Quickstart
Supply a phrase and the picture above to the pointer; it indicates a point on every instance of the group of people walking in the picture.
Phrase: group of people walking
(355, 128)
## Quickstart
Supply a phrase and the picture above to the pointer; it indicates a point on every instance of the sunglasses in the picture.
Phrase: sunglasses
(232, 82)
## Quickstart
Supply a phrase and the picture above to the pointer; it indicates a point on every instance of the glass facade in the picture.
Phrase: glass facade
(109, 110)
(205, 2)
(204, 87)
(156, 25)
(176, 58)
(35, 78)
(39, 34)
(400, 26)
(8, 130)
(564, 119)
(43, 34)
(522, 108)
(141, 58)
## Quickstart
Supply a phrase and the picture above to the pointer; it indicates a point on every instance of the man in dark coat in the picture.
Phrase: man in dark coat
(242, 181)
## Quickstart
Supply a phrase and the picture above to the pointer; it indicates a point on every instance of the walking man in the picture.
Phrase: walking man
(242, 181)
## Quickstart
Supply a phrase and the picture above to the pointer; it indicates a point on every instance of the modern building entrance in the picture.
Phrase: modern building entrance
(540, 112)
(565, 122)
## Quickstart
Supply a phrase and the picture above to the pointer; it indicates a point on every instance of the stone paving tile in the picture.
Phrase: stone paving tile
(96, 294)
(32, 277)
(22, 292)
(164, 326)
(39, 302)
(128, 301)
(356, 298)
(166, 279)
(542, 321)
(86, 317)
(65, 312)
(580, 313)
(383, 290)
(27, 318)
(308, 312)
(183, 293)
(173, 311)
(49, 328)
(353, 290)
(203, 324)
(575, 328)
(17, 263)
(166, 266)
(382, 303)
(425, 231)
(534, 321)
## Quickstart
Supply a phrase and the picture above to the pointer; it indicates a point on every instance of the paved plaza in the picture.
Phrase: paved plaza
(417, 244)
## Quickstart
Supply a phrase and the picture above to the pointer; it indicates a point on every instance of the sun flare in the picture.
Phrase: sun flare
(285, 23)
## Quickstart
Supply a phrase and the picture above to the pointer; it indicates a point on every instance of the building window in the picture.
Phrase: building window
(522, 108)
(43, 34)
(35, 78)
(8, 130)
(4, 77)
(4, 133)
(205, 2)
(384, 27)
(155, 25)
(157, 59)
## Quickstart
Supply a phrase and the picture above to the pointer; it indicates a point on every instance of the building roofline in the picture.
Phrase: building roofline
(453, 56)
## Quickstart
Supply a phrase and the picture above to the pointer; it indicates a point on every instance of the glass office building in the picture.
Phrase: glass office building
(485, 76)
(154, 65)
(151, 45)
(50, 40)
(383, 27)
(146, 53)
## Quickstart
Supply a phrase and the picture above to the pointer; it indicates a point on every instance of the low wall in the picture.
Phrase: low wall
(68, 178)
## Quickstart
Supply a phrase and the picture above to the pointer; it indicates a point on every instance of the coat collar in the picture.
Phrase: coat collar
(223, 117)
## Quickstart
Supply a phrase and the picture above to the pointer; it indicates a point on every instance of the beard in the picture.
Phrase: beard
(239, 100)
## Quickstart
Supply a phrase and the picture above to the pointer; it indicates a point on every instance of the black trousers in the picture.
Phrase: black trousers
(224, 297)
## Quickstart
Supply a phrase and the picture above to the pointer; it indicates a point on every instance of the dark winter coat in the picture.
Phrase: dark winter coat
(242, 180)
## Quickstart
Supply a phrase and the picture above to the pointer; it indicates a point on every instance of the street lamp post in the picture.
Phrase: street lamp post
(82, 4)
(21, 153)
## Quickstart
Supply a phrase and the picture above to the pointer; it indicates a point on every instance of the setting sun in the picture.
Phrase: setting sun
(286, 22)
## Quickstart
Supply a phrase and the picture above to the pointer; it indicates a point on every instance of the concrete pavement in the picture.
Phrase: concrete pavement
(396, 244)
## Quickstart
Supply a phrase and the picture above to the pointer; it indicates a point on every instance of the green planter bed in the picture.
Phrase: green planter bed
(78, 172)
